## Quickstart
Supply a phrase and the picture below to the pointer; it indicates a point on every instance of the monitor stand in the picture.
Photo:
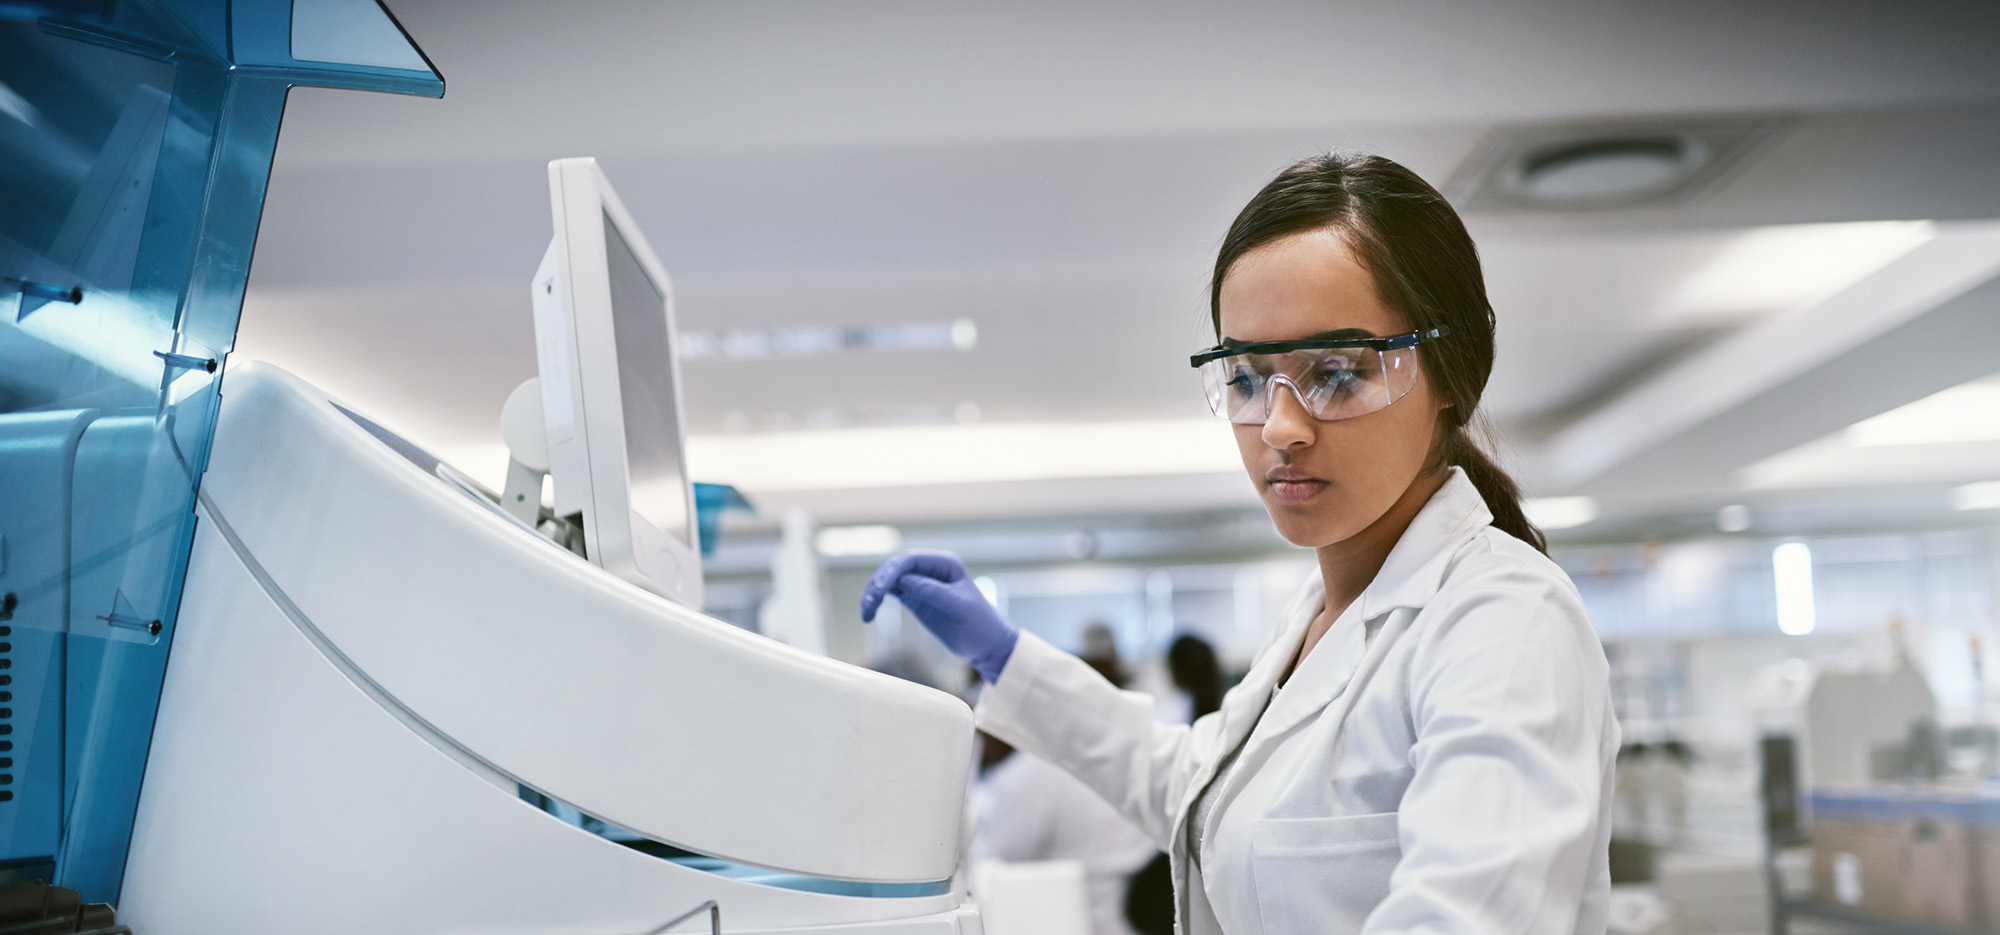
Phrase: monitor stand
(527, 438)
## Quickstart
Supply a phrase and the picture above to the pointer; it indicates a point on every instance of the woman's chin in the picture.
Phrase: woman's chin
(1306, 532)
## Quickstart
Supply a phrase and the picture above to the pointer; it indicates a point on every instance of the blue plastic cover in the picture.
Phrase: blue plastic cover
(1869, 807)
(1951, 809)
(135, 143)
(710, 502)
(1892, 805)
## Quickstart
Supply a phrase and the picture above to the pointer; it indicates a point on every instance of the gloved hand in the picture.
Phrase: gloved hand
(936, 587)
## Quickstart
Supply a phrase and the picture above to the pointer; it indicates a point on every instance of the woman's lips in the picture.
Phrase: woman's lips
(1293, 486)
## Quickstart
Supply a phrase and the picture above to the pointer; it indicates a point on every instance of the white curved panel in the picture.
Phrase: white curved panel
(278, 798)
(648, 715)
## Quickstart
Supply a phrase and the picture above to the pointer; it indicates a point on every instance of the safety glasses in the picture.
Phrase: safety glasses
(1333, 378)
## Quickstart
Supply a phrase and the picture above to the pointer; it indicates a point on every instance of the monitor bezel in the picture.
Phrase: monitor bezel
(583, 405)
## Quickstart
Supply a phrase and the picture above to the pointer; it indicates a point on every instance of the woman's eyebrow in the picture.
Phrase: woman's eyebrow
(1337, 334)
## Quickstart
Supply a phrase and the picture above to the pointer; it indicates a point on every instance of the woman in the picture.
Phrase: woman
(1427, 743)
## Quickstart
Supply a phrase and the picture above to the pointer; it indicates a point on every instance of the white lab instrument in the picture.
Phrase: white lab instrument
(394, 706)
(383, 681)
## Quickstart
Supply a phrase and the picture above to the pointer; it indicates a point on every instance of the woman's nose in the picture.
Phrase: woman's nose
(1288, 424)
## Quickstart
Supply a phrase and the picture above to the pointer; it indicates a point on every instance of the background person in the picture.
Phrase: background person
(1030, 809)
(1197, 674)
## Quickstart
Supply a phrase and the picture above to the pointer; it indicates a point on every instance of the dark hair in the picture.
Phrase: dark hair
(1192, 663)
(1425, 268)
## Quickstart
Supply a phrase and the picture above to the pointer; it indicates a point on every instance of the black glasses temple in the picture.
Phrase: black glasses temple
(1390, 343)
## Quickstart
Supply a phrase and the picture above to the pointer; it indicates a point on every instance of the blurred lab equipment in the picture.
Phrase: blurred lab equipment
(1845, 728)
(795, 613)
(1854, 765)
(1043, 897)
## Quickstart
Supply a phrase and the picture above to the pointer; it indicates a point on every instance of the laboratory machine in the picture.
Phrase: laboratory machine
(288, 672)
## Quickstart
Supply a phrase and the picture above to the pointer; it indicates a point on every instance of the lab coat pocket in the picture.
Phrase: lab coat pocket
(1322, 874)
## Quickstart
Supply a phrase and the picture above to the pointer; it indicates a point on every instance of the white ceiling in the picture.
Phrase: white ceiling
(1060, 174)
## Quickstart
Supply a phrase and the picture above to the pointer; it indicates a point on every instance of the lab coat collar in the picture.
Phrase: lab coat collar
(1410, 577)
(1414, 570)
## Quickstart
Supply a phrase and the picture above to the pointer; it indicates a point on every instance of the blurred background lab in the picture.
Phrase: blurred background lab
(1745, 260)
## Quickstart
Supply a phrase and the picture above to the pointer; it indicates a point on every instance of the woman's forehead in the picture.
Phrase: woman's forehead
(1302, 285)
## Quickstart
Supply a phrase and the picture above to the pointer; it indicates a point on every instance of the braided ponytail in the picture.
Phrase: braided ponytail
(1425, 267)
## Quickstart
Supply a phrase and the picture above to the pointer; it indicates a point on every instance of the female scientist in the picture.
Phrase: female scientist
(1427, 742)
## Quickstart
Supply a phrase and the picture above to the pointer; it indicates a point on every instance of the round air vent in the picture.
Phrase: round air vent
(1609, 170)
(1605, 165)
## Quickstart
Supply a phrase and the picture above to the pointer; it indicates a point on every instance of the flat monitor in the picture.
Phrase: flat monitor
(610, 383)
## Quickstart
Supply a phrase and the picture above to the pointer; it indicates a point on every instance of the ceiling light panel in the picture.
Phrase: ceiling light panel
(1769, 269)
(1951, 435)
(1980, 495)
(1969, 412)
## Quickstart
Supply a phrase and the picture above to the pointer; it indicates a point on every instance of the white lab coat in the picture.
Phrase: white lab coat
(1441, 761)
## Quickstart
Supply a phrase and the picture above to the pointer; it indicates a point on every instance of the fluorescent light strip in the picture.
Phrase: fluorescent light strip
(961, 335)
(900, 456)
(846, 541)
(1560, 512)
(1791, 570)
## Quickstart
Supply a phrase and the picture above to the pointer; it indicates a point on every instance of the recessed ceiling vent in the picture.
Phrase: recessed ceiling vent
(1588, 167)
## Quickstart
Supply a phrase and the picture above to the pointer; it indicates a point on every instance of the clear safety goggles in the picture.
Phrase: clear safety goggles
(1333, 378)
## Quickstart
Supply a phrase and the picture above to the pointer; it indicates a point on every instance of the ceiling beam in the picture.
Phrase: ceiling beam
(1928, 321)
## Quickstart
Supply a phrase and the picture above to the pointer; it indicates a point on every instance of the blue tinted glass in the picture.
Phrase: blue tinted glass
(133, 161)
(728, 868)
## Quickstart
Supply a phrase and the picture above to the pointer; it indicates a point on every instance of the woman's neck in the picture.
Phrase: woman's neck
(1347, 567)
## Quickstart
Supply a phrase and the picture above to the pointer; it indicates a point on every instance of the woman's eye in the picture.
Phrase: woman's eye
(1336, 379)
(1244, 382)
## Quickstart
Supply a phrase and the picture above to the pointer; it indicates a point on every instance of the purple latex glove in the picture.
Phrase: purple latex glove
(935, 587)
